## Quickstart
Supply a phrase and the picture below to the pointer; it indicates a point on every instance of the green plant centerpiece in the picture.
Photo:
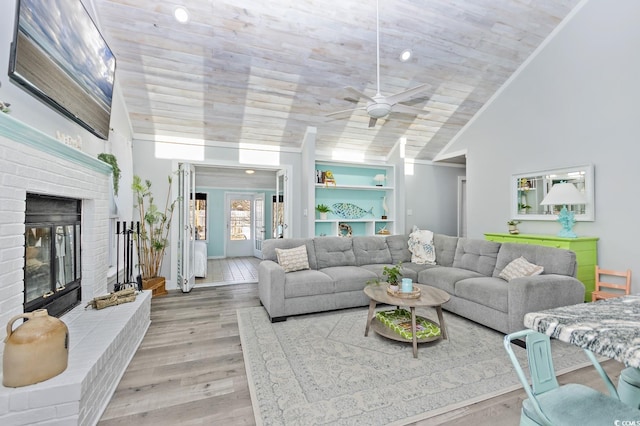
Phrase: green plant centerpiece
(393, 274)
(155, 225)
(111, 160)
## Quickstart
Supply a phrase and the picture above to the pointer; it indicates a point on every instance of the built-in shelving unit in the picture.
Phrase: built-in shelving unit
(356, 189)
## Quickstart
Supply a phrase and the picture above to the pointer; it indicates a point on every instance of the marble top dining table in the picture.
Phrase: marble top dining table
(609, 327)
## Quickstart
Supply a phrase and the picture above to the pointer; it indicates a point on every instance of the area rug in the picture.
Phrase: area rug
(320, 369)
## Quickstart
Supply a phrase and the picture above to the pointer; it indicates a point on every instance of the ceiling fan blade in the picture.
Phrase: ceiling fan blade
(407, 94)
(372, 122)
(406, 109)
(345, 111)
(359, 93)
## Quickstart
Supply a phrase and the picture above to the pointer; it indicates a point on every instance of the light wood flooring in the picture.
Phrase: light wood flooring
(189, 369)
(230, 270)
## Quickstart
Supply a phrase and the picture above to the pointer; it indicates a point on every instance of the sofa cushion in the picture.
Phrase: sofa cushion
(399, 248)
(371, 250)
(411, 270)
(444, 277)
(445, 249)
(553, 260)
(349, 278)
(376, 268)
(487, 291)
(294, 259)
(307, 283)
(519, 268)
(476, 255)
(269, 248)
(334, 251)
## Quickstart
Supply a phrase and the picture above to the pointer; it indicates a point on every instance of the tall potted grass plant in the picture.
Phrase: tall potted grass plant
(155, 225)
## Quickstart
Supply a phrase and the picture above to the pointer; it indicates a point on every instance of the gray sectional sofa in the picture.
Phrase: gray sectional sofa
(467, 269)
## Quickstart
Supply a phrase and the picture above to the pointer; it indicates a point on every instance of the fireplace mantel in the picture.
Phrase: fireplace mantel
(19, 132)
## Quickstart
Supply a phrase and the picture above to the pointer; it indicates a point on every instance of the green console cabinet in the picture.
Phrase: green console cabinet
(585, 249)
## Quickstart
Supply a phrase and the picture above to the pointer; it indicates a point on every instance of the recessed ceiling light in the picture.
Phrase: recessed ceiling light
(181, 14)
(249, 172)
(405, 55)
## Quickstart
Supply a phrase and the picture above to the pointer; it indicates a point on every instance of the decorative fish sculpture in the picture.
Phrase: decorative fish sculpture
(350, 211)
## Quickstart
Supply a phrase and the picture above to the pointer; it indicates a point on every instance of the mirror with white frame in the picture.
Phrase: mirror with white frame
(529, 189)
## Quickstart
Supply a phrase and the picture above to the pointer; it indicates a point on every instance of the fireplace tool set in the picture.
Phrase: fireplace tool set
(124, 291)
(127, 235)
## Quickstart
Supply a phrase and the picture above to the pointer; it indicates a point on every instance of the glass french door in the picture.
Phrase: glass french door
(281, 208)
(186, 233)
(258, 224)
(240, 231)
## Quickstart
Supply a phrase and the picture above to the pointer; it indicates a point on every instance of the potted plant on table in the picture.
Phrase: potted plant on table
(154, 233)
(323, 210)
(513, 226)
(393, 275)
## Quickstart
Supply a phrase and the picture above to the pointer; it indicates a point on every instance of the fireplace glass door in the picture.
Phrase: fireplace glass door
(37, 263)
(52, 271)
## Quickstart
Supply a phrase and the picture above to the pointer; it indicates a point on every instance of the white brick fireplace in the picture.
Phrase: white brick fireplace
(101, 342)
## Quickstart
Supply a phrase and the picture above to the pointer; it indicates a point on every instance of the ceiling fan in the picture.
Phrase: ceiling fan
(379, 106)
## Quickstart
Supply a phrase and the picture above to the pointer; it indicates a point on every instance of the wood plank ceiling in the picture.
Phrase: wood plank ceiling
(261, 72)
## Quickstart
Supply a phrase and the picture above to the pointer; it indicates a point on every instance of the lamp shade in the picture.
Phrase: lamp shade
(379, 178)
(564, 193)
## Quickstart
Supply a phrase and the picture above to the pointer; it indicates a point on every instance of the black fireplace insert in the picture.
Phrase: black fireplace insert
(52, 270)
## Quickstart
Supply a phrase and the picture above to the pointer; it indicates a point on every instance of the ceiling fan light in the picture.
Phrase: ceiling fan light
(378, 110)
(405, 55)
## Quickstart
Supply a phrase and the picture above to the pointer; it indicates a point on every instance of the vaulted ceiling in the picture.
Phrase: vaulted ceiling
(260, 72)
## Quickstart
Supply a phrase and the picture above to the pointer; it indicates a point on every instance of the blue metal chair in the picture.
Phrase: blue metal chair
(550, 404)
(629, 386)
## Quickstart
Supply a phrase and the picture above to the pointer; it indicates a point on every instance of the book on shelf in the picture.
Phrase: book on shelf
(321, 176)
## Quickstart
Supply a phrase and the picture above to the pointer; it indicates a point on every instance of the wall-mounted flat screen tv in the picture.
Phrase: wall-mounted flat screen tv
(59, 55)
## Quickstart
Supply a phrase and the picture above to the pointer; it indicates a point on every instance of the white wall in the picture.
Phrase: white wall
(431, 194)
(574, 103)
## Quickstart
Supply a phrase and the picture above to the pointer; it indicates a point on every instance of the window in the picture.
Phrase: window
(240, 214)
(199, 209)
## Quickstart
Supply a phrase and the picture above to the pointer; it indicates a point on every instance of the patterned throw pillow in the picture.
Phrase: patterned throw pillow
(421, 247)
(519, 268)
(294, 259)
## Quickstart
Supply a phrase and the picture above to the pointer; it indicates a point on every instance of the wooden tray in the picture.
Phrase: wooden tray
(415, 294)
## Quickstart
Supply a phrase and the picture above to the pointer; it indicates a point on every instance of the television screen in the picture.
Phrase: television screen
(59, 55)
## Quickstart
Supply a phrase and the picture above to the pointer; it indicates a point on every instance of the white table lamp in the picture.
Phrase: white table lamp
(564, 194)
(379, 179)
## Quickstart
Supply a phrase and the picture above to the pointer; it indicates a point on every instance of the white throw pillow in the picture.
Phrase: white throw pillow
(519, 268)
(294, 259)
(421, 247)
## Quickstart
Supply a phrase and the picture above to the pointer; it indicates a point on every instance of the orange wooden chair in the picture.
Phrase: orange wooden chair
(603, 288)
